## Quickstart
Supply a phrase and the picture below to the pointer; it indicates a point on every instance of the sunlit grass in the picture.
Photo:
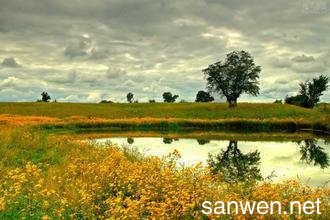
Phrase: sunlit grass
(164, 110)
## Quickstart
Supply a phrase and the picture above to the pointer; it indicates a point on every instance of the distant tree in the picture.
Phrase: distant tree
(203, 96)
(130, 97)
(168, 97)
(309, 93)
(293, 100)
(183, 101)
(152, 101)
(236, 75)
(45, 97)
(106, 101)
(278, 101)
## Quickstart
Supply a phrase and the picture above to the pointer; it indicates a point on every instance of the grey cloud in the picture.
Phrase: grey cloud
(303, 59)
(82, 47)
(114, 73)
(310, 67)
(8, 82)
(153, 46)
(10, 62)
(281, 63)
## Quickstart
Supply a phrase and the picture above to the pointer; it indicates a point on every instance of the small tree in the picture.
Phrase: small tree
(130, 97)
(45, 97)
(312, 90)
(309, 93)
(203, 96)
(238, 74)
(168, 97)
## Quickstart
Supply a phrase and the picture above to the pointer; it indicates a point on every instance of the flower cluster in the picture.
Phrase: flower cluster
(111, 182)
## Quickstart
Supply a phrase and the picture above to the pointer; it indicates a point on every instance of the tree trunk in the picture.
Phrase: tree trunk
(232, 103)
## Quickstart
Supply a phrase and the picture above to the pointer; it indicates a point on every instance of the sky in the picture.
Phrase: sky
(88, 51)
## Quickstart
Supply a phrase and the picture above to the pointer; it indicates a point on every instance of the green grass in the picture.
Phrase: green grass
(246, 117)
(164, 110)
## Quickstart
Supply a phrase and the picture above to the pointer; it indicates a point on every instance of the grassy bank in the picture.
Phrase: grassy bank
(165, 110)
(184, 125)
(46, 176)
(175, 116)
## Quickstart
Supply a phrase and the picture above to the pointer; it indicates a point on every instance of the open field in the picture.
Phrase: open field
(173, 117)
(165, 110)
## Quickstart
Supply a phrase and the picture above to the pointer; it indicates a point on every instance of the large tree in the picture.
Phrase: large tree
(236, 75)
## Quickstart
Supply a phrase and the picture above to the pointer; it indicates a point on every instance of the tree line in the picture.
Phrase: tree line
(238, 74)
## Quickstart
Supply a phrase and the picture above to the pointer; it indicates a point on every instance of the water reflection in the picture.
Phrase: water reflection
(311, 153)
(236, 166)
(307, 160)
(203, 141)
(169, 140)
(130, 140)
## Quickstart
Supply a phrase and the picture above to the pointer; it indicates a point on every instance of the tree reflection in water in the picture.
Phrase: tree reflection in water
(311, 153)
(236, 166)
(167, 140)
(203, 141)
(130, 140)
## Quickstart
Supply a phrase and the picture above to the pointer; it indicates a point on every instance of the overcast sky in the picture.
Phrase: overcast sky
(85, 51)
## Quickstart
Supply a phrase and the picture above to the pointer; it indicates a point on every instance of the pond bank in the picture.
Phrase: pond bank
(176, 125)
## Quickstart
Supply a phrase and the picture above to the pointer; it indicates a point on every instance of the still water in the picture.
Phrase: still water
(306, 160)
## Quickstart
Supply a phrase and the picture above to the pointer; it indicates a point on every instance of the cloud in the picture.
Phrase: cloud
(10, 62)
(8, 82)
(83, 47)
(115, 73)
(281, 63)
(303, 59)
(86, 50)
(309, 67)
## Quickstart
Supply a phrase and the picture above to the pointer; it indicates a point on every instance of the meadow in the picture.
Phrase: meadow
(165, 110)
(175, 116)
(45, 175)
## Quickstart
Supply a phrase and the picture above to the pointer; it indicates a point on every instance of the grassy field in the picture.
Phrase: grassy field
(175, 116)
(165, 110)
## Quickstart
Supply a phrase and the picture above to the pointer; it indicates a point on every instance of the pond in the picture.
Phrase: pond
(306, 160)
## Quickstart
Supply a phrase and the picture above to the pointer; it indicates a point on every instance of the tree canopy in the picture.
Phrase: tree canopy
(45, 97)
(168, 97)
(203, 96)
(236, 75)
(309, 93)
(130, 97)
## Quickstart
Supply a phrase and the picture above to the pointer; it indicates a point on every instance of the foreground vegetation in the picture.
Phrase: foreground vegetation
(49, 176)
